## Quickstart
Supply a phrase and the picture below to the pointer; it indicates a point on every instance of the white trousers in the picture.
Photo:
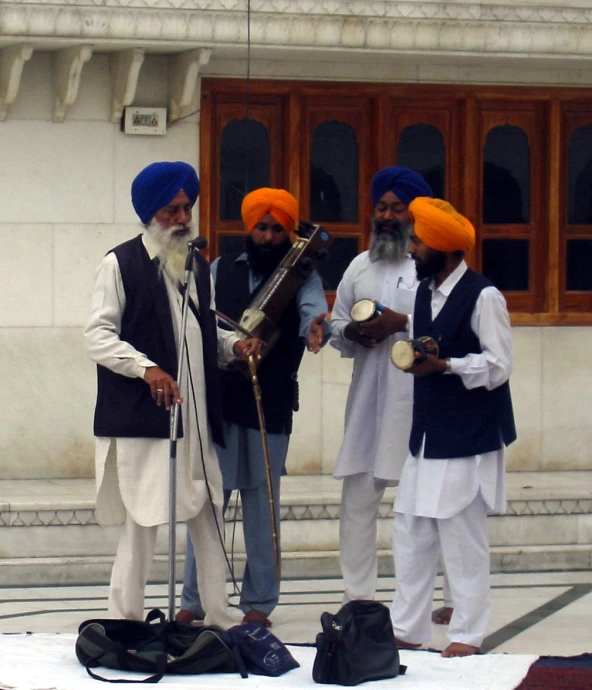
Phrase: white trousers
(464, 542)
(134, 558)
(361, 495)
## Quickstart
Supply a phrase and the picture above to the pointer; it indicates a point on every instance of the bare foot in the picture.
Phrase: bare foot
(188, 618)
(254, 616)
(442, 615)
(406, 645)
(459, 649)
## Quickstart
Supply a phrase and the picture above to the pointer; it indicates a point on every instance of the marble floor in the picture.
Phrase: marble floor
(546, 613)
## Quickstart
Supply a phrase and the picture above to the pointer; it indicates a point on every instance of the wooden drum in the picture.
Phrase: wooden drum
(403, 352)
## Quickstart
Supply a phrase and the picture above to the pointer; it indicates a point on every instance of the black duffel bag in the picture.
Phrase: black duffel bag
(357, 644)
(153, 647)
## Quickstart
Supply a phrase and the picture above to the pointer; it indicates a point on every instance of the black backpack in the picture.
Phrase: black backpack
(357, 644)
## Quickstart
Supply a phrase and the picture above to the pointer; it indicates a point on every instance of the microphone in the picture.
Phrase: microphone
(198, 243)
(194, 246)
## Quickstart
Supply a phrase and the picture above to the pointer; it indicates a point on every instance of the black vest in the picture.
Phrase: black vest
(456, 422)
(278, 372)
(125, 407)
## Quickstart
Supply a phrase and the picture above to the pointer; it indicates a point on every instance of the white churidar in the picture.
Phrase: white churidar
(361, 495)
(465, 553)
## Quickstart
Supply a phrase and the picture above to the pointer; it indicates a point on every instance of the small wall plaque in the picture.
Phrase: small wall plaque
(145, 120)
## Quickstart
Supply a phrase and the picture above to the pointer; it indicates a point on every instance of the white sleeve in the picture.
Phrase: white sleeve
(340, 316)
(491, 324)
(226, 338)
(101, 336)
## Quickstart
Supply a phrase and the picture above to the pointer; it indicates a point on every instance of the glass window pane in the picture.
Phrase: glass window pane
(231, 244)
(506, 176)
(579, 265)
(244, 164)
(506, 263)
(341, 253)
(421, 148)
(579, 177)
(334, 174)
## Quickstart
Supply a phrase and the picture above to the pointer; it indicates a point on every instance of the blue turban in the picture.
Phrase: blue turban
(159, 183)
(402, 182)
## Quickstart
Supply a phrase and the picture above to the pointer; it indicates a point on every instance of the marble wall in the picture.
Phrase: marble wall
(551, 393)
(64, 201)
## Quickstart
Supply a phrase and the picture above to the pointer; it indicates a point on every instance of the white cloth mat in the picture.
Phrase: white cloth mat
(48, 662)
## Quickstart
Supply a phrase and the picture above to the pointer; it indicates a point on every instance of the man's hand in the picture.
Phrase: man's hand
(244, 349)
(431, 365)
(163, 387)
(316, 334)
(388, 323)
(352, 332)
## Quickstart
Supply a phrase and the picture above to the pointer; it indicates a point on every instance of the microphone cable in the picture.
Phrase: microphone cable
(219, 528)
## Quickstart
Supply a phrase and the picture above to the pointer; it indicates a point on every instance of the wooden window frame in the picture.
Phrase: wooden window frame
(574, 116)
(458, 109)
(528, 116)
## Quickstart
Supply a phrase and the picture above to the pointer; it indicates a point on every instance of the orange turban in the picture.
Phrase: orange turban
(439, 225)
(281, 204)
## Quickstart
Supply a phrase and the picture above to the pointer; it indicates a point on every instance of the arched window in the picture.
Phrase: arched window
(579, 177)
(244, 164)
(506, 176)
(506, 201)
(421, 148)
(334, 173)
(579, 208)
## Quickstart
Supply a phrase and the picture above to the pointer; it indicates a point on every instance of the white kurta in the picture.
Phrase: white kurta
(443, 488)
(133, 473)
(380, 399)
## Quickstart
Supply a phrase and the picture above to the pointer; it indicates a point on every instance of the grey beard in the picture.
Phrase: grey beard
(172, 253)
(387, 247)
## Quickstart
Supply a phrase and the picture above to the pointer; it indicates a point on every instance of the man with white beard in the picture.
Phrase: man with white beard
(132, 335)
(380, 400)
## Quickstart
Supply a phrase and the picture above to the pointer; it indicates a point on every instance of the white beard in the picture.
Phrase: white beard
(172, 253)
(385, 246)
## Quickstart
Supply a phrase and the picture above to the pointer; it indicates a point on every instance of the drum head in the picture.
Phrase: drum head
(402, 355)
(363, 310)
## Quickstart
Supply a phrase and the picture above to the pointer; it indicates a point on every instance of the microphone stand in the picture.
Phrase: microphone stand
(192, 247)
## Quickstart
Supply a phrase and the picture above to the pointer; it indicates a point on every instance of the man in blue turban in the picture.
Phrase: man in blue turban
(132, 335)
(379, 405)
(159, 183)
(402, 182)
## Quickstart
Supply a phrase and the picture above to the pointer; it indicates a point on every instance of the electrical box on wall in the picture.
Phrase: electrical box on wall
(144, 120)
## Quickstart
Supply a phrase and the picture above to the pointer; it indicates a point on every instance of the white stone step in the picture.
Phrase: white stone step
(49, 534)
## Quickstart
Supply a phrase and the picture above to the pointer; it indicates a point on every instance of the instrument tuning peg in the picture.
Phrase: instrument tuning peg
(305, 228)
(322, 254)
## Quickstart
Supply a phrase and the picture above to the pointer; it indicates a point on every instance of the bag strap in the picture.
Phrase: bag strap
(106, 646)
(154, 614)
(238, 660)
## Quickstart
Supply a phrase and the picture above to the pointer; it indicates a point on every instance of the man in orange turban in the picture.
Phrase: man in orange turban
(277, 202)
(270, 217)
(453, 476)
